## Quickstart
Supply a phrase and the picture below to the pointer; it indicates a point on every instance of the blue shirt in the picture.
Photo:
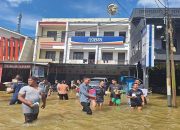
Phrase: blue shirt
(83, 93)
(16, 87)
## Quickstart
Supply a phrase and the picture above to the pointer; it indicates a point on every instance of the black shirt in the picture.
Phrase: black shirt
(112, 88)
(100, 92)
(138, 93)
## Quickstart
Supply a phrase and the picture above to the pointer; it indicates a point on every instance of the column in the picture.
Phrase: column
(1, 48)
(36, 49)
(97, 46)
(128, 42)
(16, 50)
(96, 54)
(6, 49)
(11, 43)
(66, 52)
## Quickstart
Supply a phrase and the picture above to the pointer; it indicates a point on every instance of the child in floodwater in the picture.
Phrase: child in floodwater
(100, 92)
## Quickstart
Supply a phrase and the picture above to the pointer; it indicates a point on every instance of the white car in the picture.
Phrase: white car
(100, 79)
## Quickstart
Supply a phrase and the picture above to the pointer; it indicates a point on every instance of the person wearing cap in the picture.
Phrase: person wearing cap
(30, 96)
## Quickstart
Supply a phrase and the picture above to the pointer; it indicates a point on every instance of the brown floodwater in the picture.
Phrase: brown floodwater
(67, 115)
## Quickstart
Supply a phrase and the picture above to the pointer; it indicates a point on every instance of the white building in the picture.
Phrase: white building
(82, 41)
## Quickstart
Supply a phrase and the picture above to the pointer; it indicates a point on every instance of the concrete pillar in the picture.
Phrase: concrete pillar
(36, 49)
(96, 54)
(66, 48)
(146, 78)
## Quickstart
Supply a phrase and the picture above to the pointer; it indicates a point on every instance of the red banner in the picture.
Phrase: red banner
(0, 72)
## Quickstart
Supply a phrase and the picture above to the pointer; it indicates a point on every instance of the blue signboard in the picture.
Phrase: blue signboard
(148, 46)
(97, 40)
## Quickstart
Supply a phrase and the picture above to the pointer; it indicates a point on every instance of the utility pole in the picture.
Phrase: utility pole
(19, 23)
(168, 76)
(173, 75)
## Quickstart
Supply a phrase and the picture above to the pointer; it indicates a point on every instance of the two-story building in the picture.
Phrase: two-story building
(88, 42)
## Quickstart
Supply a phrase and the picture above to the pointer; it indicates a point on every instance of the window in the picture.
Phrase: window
(107, 56)
(63, 34)
(108, 33)
(52, 34)
(93, 34)
(121, 56)
(50, 55)
(123, 34)
(80, 33)
(78, 55)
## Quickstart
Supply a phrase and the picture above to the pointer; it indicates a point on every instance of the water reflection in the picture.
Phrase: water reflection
(67, 115)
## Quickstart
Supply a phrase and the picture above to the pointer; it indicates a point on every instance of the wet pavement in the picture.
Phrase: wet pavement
(67, 115)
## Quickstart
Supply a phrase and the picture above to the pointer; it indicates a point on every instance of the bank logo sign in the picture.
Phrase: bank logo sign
(97, 40)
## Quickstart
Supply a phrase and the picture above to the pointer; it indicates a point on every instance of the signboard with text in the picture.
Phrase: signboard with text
(97, 40)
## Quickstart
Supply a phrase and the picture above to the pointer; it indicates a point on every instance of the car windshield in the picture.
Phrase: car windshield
(94, 83)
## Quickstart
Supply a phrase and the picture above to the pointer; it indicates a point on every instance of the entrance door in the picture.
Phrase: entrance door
(61, 56)
(121, 58)
(91, 59)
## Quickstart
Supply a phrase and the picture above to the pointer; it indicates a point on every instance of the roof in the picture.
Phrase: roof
(154, 13)
(16, 33)
(85, 20)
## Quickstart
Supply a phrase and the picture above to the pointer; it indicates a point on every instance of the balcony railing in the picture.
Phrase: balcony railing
(50, 39)
(120, 62)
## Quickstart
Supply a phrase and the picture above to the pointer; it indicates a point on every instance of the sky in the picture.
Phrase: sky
(34, 10)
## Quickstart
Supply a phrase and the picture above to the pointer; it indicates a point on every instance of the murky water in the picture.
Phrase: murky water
(67, 115)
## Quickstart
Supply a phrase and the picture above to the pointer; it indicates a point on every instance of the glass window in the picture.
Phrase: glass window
(107, 56)
(121, 56)
(63, 34)
(80, 33)
(108, 33)
(93, 34)
(123, 34)
(78, 55)
(50, 55)
(52, 34)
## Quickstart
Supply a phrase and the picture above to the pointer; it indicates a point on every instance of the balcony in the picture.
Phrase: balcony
(51, 43)
(120, 62)
(43, 60)
(113, 62)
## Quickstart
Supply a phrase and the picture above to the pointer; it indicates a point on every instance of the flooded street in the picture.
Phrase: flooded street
(67, 115)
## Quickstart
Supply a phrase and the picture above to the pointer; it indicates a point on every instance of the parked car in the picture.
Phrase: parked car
(95, 81)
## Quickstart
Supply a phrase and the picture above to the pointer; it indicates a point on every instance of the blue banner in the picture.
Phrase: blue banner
(93, 40)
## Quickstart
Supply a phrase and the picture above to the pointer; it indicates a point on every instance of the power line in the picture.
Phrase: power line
(162, 4)
(122, 7)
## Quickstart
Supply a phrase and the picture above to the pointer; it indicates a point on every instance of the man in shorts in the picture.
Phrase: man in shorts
(115, 89)
(30, 97)
(136, 97)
